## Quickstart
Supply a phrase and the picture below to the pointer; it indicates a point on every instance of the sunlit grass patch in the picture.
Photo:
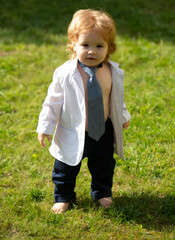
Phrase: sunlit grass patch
(144, 186)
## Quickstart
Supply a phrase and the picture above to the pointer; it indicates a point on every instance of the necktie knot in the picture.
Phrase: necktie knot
(91, 71)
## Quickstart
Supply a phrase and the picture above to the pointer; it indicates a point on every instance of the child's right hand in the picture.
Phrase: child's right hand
(41, 138)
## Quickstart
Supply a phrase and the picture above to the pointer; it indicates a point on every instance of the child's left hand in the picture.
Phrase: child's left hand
(126, 125)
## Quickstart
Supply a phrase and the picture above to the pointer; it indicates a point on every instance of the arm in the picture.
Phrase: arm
(51, 110)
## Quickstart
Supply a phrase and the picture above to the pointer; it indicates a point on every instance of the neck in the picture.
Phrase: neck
(98, 66)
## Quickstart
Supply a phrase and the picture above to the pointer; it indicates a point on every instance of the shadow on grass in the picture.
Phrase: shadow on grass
(36, 21)
(152, 212)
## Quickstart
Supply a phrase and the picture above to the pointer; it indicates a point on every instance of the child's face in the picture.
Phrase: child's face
(91, 48)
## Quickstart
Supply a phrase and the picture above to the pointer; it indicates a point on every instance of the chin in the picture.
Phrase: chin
(92, 62)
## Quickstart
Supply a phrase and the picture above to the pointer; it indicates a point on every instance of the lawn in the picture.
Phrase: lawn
(32, 44)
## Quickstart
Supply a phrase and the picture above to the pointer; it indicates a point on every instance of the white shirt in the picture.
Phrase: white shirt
(64, 109)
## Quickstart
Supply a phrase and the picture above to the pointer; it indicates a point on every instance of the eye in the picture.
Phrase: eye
(85, 45)
(99, 46)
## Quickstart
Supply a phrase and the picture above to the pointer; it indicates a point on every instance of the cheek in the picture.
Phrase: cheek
(104, 53)
(107, 48)
(80, 51)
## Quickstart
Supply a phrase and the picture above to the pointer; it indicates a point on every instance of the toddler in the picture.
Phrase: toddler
(85, 108)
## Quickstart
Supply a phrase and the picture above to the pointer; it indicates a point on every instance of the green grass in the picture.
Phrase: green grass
(32, 44)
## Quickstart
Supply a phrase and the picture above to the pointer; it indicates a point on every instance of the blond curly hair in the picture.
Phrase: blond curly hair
(88, 19)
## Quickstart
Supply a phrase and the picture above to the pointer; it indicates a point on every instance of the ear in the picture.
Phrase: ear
(74, 48)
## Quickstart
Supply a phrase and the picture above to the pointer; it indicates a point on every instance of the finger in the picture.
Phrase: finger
(125, 126)
(41, 140)
(49, 138)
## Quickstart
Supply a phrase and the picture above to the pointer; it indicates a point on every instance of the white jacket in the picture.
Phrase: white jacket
(64, 108)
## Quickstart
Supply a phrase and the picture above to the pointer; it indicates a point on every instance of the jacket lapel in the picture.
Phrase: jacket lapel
(76, 75)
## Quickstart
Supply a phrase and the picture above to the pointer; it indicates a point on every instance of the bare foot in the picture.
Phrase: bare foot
(60, 207)
(105, 202)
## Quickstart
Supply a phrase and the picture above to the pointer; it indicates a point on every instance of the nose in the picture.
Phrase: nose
(92, 52)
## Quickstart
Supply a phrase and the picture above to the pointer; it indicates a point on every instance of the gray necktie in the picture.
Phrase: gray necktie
(96, 121)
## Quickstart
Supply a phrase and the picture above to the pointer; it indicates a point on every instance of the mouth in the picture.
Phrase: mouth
(91, 58)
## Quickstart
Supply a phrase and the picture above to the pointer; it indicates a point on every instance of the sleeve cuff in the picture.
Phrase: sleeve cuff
(46, 128)
(126, 116)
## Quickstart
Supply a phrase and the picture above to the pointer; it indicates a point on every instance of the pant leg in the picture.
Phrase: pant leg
(64, 178)
(101, 163)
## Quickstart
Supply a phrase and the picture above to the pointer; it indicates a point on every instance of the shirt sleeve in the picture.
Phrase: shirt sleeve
(52, 107)
(126, 114)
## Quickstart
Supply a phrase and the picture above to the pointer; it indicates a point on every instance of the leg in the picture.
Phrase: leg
(64, 178)
(102, 179)
(101, 165)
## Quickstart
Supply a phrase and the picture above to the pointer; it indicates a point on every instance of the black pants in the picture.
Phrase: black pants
(101, 165)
